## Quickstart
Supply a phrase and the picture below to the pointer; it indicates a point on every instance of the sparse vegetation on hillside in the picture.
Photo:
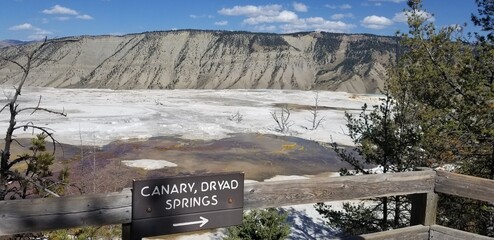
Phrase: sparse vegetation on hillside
(325, 48)
(199, 59)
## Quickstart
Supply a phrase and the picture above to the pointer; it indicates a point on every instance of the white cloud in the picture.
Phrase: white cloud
(62, 18)
(252, 11)
(200, 16)
(84, 17)
(393, 1)
(376, 22)
(40, 34)
(340, 16)
(317, 24)
(343, 6)
(300, 7)
(283, 16)
(65, 13)
(403, 16)
(36, 32)
(221, 23)
(24, 26)
(274, 17)
(57, 9)
(116, 33)
(265, 28)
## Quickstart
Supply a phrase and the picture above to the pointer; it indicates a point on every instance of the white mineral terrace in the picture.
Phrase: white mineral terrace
(98, 117)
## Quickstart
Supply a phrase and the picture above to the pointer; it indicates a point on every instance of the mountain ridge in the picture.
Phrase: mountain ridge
(209, 59)
(11, 42)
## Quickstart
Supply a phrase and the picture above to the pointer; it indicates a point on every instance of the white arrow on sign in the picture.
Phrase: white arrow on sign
(203, 221)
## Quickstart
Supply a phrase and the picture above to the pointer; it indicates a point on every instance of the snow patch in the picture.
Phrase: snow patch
(286, 177)
(149, 164)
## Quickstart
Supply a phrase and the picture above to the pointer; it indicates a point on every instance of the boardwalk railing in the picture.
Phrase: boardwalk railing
(34, 215)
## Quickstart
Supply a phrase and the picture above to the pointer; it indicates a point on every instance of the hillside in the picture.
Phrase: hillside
(8, 43)
(196, 59)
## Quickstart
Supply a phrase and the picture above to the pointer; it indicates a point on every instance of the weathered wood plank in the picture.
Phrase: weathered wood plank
(115, 208)
(416, 232)
(284, 193)
(465, 186)
(424, 208)
(32, 215)
(444, 233)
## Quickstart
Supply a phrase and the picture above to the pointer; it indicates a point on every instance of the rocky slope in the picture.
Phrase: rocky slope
(212, 60)
(8, 43)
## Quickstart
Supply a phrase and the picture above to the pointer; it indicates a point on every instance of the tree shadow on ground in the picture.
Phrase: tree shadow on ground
(305, 227)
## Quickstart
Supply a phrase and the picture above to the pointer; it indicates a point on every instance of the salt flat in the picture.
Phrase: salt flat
(99, 116)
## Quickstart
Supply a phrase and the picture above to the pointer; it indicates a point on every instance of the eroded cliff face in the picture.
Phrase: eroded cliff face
(213, 60)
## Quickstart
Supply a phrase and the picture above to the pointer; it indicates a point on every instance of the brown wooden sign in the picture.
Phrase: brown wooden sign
(186, 203)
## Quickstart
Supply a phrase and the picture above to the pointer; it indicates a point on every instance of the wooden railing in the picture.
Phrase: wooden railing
(34, 215)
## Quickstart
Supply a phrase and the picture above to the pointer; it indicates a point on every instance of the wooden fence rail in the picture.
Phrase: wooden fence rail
(33, 215)
(465, 186)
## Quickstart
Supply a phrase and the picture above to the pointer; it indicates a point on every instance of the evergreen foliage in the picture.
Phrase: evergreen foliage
(386, 136)
(29, 173)
(353, 220)
(265, 224)
(485, 18)
(38, 175)
(439, 109)
(450, 79)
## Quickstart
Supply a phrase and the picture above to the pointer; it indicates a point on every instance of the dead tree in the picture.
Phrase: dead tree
(316, 120)
(282, 120)
(13, 183)
(237, 117)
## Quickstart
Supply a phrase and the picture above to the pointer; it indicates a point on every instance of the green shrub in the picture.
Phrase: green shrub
(267, 224)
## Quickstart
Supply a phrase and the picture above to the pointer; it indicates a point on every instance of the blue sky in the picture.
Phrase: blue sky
(35, 19)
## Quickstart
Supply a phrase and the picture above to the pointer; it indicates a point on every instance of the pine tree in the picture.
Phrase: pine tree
(443, 86)
(449, 78)
(386, 136)
(17, 181)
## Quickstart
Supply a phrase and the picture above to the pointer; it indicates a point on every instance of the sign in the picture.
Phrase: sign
(186, 203)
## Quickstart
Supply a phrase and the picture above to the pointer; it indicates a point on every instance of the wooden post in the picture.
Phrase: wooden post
(126, 231)
(424, 209)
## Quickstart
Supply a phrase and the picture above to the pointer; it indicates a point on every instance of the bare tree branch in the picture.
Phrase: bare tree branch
(283, 119)
(14, 62)
(6, 105)
(33, 182)
(315, 120)
(44, 130)
(5, 164)
(37, 108)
